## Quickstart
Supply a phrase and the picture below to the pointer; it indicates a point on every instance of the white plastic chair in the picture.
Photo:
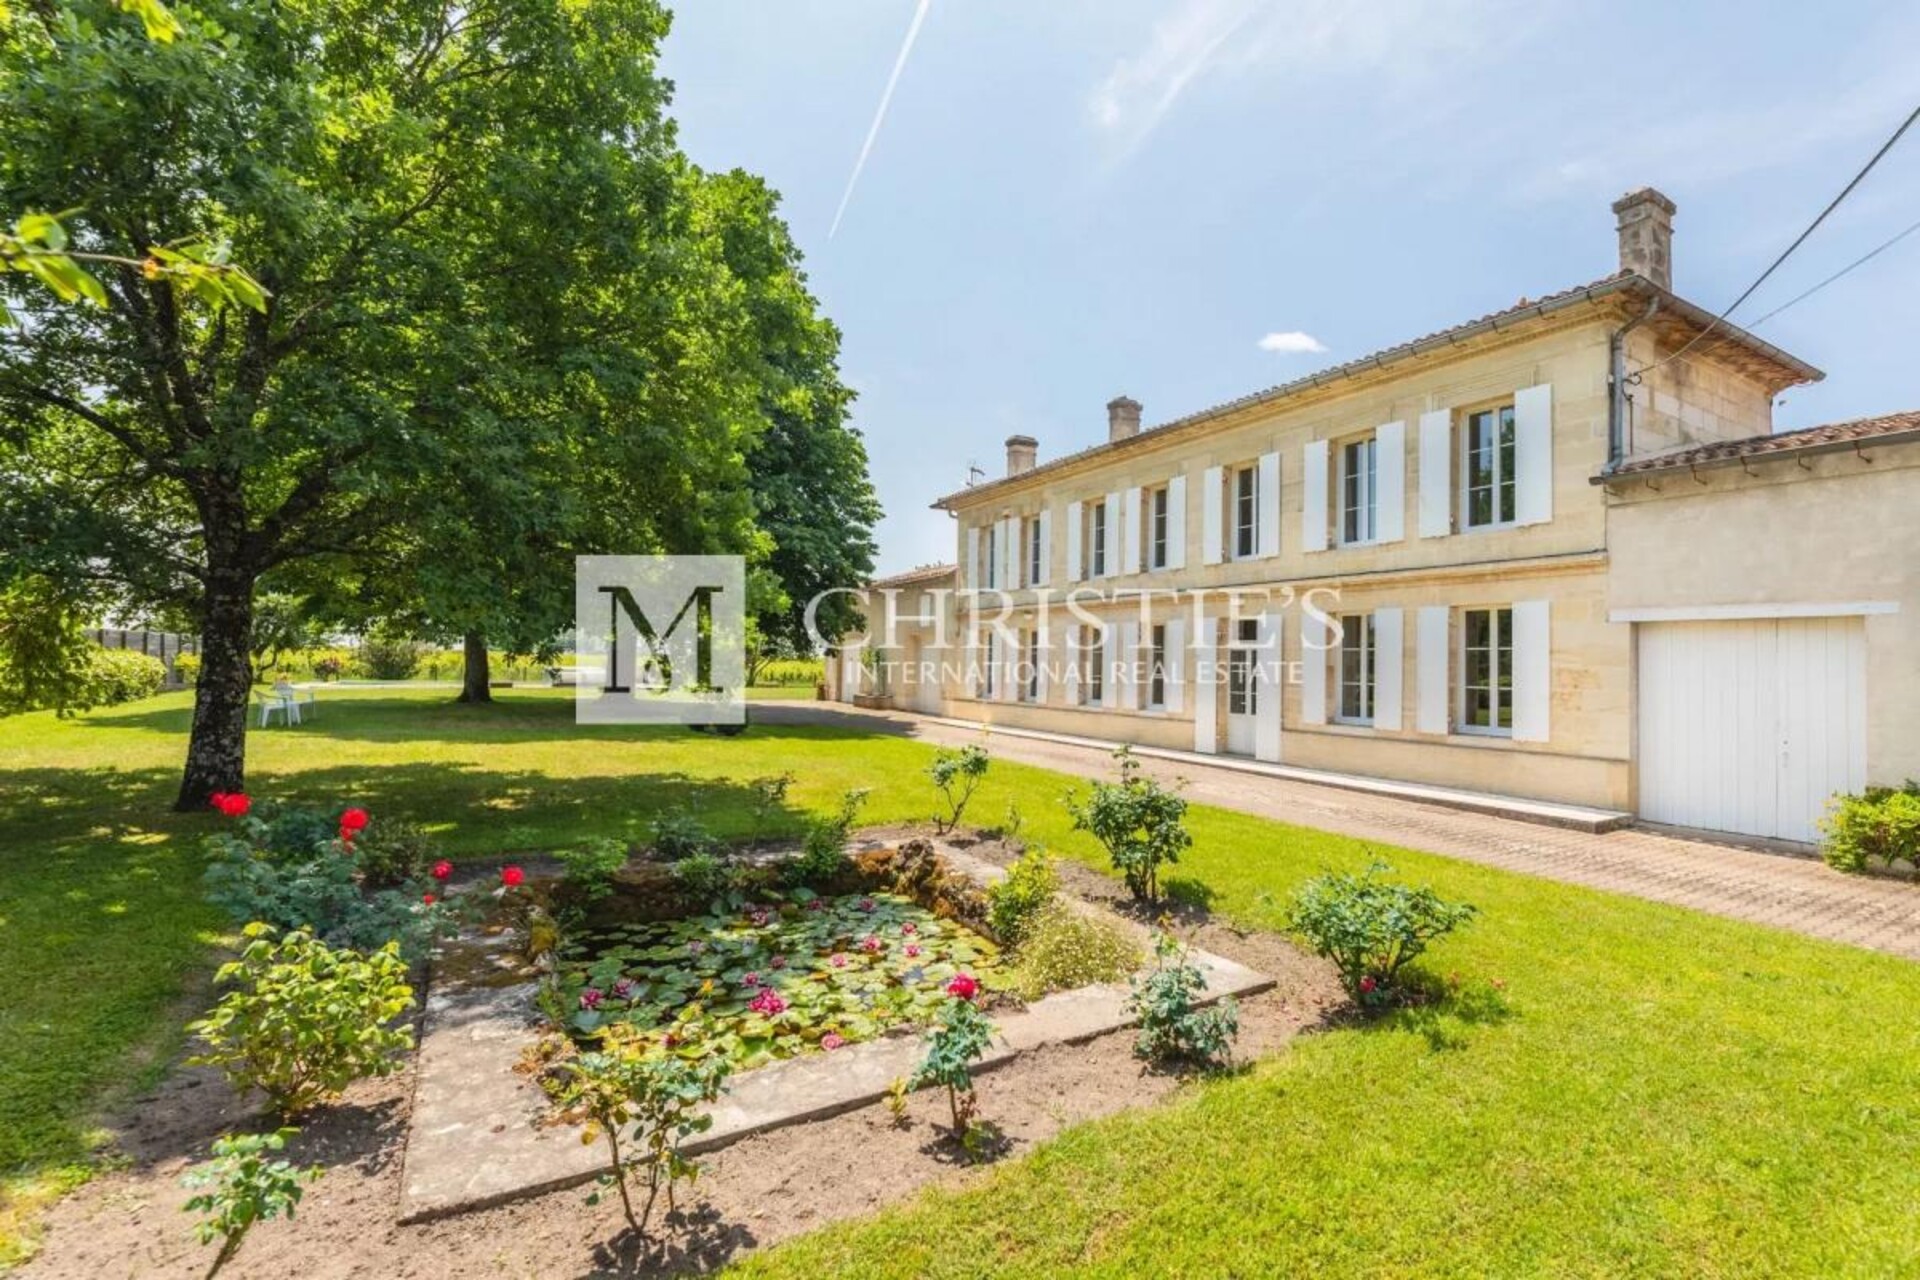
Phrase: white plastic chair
(272, 702)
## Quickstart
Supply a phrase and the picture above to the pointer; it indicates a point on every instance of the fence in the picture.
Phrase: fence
(164, 645)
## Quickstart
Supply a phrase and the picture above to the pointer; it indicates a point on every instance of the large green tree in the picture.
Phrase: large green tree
(479, 246)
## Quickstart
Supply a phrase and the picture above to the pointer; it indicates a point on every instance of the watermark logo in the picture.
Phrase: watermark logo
(661, 640)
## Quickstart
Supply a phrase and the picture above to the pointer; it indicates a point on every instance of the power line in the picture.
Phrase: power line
(1799, 240)
(1860, 261)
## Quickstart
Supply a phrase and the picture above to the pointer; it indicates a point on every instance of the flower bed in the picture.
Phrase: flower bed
(790, 973)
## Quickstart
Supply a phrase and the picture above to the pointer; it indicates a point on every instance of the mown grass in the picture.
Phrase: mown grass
(1664, 1093)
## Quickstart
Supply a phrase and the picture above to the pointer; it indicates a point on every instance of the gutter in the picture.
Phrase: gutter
(1911, 436)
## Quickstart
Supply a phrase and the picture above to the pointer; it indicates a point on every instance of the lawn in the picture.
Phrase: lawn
(1666, 1093)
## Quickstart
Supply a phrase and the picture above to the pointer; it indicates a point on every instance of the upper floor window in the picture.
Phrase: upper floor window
(1097, 539)
(1157, 531)
(1157, 668)
(1486, 671)
(1036, 553)
(1490, 468)
(1357, 491)
(990, 543)
(1245, 540)
(1356, 668)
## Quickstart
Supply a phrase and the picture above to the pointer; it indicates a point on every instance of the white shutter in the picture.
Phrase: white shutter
(1314, 637)
(1113, 534)
(1313, 504)
(1273, 684)
(1389, 668)
(1430, 669)
(974, 578)
(1046, 547)
(1176, 664)
(1129, 682)
(1390, 482)
(1042, 653)
(1070, 668)
(1533, 454)
(1532, 670)
(1205, 705)
(1177, 523)
(1436, 473)
(1130, 531)
(1074, 523)
(974, 682)
(1010, 655)
(1267, 530)
(1212, 544)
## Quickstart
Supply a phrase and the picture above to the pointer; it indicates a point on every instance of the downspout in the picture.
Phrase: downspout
(1617, 387)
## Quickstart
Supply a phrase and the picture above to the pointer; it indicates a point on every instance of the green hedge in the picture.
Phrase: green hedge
(1880, 826)
(112, 676)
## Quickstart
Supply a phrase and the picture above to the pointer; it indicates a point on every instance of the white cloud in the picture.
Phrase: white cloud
(1293, 343)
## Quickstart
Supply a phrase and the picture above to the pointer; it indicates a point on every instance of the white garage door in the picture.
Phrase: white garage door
(1750, 726)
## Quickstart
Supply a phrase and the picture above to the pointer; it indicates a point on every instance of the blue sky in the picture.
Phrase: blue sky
(1079, 198)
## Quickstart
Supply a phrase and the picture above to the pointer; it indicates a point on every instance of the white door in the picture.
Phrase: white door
(1243, 687)
(1751, 726)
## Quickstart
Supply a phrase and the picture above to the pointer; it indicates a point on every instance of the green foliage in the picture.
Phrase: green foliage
(392, 851)
(1371, 928)
(658, 1100)
(121, 675)
(186, 666)
(703, 876)
(956, 774)
(285, 866)
(787, 673)
(44, 652)
(243, 1185)
(303, 1021)
(780, 975)
(678, 835)
(1174, 1026)
(1881, 825)
(1141, 823)
(959, 1038)
(589, 868)
(389, 657)
(1062, 949)
(769, 797)
(823, 853)
(1015, 900)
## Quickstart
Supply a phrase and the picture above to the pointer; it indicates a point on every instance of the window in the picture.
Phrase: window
(1093, 645)
(986, 666)
(1030, 675)
(1242, 685)
(1356, 668)
(1246, 513)
(1486, 671)
(1036, 570)
(991, 544)
(1157, 668)
(1489, 468)
(1157, 528)
(1357, 510)
(1097, 540)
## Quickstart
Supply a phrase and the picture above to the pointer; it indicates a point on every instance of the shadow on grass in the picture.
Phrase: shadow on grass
(1441, 1010)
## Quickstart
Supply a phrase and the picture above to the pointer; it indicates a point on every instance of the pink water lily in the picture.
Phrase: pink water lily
(769, 1003)
(778, 962)
(838, 960)
(871, 944)
(832, 1040)
(759, 916)
(866, 904)
(751, 980)
(816, 904)
(913, 950)
(590, 998)
(623, 989)
(909, 928)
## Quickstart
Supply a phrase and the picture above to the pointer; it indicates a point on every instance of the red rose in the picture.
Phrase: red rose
(442, 869)
(232, 804)
(513, 877)
(963, 987)
(1367, 985)
(353, 820)
(428, 898)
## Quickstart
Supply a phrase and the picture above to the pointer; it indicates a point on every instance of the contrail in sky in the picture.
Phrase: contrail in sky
(880, 116)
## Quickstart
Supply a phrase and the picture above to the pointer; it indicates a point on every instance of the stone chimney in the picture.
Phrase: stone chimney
(1123, 418)
(1646, 235)
(1021, 451)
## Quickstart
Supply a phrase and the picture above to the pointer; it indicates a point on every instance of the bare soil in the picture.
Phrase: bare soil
(757, 1192)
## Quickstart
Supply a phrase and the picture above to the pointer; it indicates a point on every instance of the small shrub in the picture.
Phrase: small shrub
(661, 1098)
(244, 1185)
(186, 668)
(589, 869)
(959, 1038)
(304, 1021)
(823, 854)
(956, 774)
(1141, 823)
(703, 876)
(769, 795)
(115, 676)
(1880, 826)
(678, 834)
(1063, 949)
(1174, 1027)
(328, 667)
(392, 851)
(1370, 928)
(385, 657)
(1012, 903)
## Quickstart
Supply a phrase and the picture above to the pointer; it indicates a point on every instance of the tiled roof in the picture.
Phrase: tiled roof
(1832, 435)
(925, 573)
(1793, 369)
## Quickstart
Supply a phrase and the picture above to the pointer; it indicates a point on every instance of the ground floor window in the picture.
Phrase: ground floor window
(1242, 676)
(1356, 668)
(1094, 649)
(1157, 668)
(1486, 671)
(1030, 677)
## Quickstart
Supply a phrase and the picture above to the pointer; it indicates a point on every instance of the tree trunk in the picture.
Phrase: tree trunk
(474, 685)
(217, 749)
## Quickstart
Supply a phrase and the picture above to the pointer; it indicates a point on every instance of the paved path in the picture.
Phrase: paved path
(1787, 892)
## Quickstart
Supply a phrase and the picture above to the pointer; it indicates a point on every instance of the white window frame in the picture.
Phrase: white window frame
(1501, 415)
(1156, 667)
(1243, 667)
(1098, 552)
(1359, 493)
(1093, 669)
(1357, 639)
(992, 540)
(1499, 639)
(1245, 512)
(1029, 686)
(1157, 537)
(1030, 534)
